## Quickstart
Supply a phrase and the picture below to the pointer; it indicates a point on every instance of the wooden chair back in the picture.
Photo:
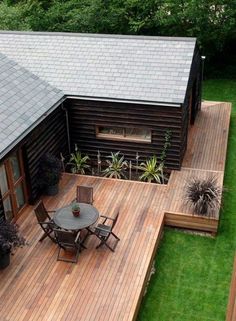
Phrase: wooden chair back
(115, 220)
(41, 212)
(84, 194)
(65, 238)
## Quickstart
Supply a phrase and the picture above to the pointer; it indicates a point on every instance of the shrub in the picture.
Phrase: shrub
(116, 166)
(50, 170)
(10, 237)
(203, 195)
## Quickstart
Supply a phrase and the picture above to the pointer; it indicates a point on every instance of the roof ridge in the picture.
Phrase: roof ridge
(99, 35)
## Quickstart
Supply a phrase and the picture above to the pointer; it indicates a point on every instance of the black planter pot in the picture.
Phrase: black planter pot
(4, 260)
(52, 190)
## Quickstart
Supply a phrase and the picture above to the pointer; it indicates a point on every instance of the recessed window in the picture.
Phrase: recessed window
(124, 133)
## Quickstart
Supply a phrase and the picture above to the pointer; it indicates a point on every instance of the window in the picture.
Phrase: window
(124, 133)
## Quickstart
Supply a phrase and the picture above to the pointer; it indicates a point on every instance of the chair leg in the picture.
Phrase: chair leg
(115, 236)
(60, 258)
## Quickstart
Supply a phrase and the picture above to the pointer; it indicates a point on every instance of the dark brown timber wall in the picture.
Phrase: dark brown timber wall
(84, 115)
(194, 89)
(49, 136)
(1, 208)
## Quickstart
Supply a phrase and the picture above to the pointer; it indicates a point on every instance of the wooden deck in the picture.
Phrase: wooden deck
(104, 285)
(231, 309)
(205, 157)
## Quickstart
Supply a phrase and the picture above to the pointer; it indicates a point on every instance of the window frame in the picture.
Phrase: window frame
(121, 137)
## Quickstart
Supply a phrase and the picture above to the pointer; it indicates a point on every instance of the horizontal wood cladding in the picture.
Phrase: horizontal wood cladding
(194, 91)
(84, 115)
(49, 136)
(1, 208)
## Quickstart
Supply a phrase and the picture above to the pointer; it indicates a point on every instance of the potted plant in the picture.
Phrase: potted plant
(10, 238)
(50, 172)
(75, 209)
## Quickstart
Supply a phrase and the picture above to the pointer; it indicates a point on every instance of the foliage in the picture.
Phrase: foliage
(75, 207)
(78, 162)
(203, 195)
(212, 23)
(116, 166)
(9, 237)
(50, 170)
(193, 272)
(167, 144)
(152, 171)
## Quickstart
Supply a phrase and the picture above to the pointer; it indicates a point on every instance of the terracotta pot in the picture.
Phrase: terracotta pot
(76, 213)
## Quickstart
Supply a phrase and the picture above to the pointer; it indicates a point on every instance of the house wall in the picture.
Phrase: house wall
(49, 136)
(1, 208)
(195, 76)
(84, 115)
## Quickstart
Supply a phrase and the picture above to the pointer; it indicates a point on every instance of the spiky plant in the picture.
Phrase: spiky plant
(78, 162)
(152, 170)
(203, 195)
(117, 166)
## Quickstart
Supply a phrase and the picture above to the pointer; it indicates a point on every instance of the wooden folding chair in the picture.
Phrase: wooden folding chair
(103, 231)
(84, 194)
(45, 221)
(68, 241)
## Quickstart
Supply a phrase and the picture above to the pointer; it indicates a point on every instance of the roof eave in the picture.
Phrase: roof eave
(30, 128)
(127, 101)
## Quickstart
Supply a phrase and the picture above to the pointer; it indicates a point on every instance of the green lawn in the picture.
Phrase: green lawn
(193, 272)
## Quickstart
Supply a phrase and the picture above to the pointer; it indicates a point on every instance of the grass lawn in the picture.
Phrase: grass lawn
(193, 273)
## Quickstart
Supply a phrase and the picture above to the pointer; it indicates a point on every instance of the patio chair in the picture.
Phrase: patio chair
(68, 241)
(84, 194)
(103, 231)
(45, 221)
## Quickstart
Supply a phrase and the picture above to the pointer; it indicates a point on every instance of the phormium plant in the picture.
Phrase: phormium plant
(204, 195)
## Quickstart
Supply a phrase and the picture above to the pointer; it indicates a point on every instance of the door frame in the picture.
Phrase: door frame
(13, 184)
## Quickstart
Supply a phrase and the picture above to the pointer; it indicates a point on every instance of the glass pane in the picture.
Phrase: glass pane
(3, 180)
(8, 209)
(15, 166)
(138, 133)
(20, 199)
(111, 131)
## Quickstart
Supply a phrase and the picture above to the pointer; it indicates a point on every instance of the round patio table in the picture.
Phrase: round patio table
(65, 219)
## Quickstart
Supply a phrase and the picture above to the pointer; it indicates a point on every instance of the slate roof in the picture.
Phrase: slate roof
(24, 99)
(134, 68)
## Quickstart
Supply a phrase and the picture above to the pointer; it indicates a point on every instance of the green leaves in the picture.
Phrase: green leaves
(78, 162)
(152, 171)
(116, 166)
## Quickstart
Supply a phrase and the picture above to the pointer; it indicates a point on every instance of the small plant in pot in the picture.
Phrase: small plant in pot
(50, 172)
(75, 209)
(10, 238)
(203, 195)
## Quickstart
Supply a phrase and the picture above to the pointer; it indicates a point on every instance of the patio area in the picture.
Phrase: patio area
(105, 285)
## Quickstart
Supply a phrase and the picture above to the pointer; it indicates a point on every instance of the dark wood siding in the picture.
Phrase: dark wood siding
(194, 89)
(1, 209)
(49, 136)
(85, 115)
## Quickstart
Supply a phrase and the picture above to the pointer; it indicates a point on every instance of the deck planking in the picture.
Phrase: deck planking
(104, 285)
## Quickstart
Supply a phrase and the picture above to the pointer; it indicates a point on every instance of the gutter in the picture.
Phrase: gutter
(127, 101)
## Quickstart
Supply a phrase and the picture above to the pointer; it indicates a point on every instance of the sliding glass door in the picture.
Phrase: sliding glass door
(12, 185)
